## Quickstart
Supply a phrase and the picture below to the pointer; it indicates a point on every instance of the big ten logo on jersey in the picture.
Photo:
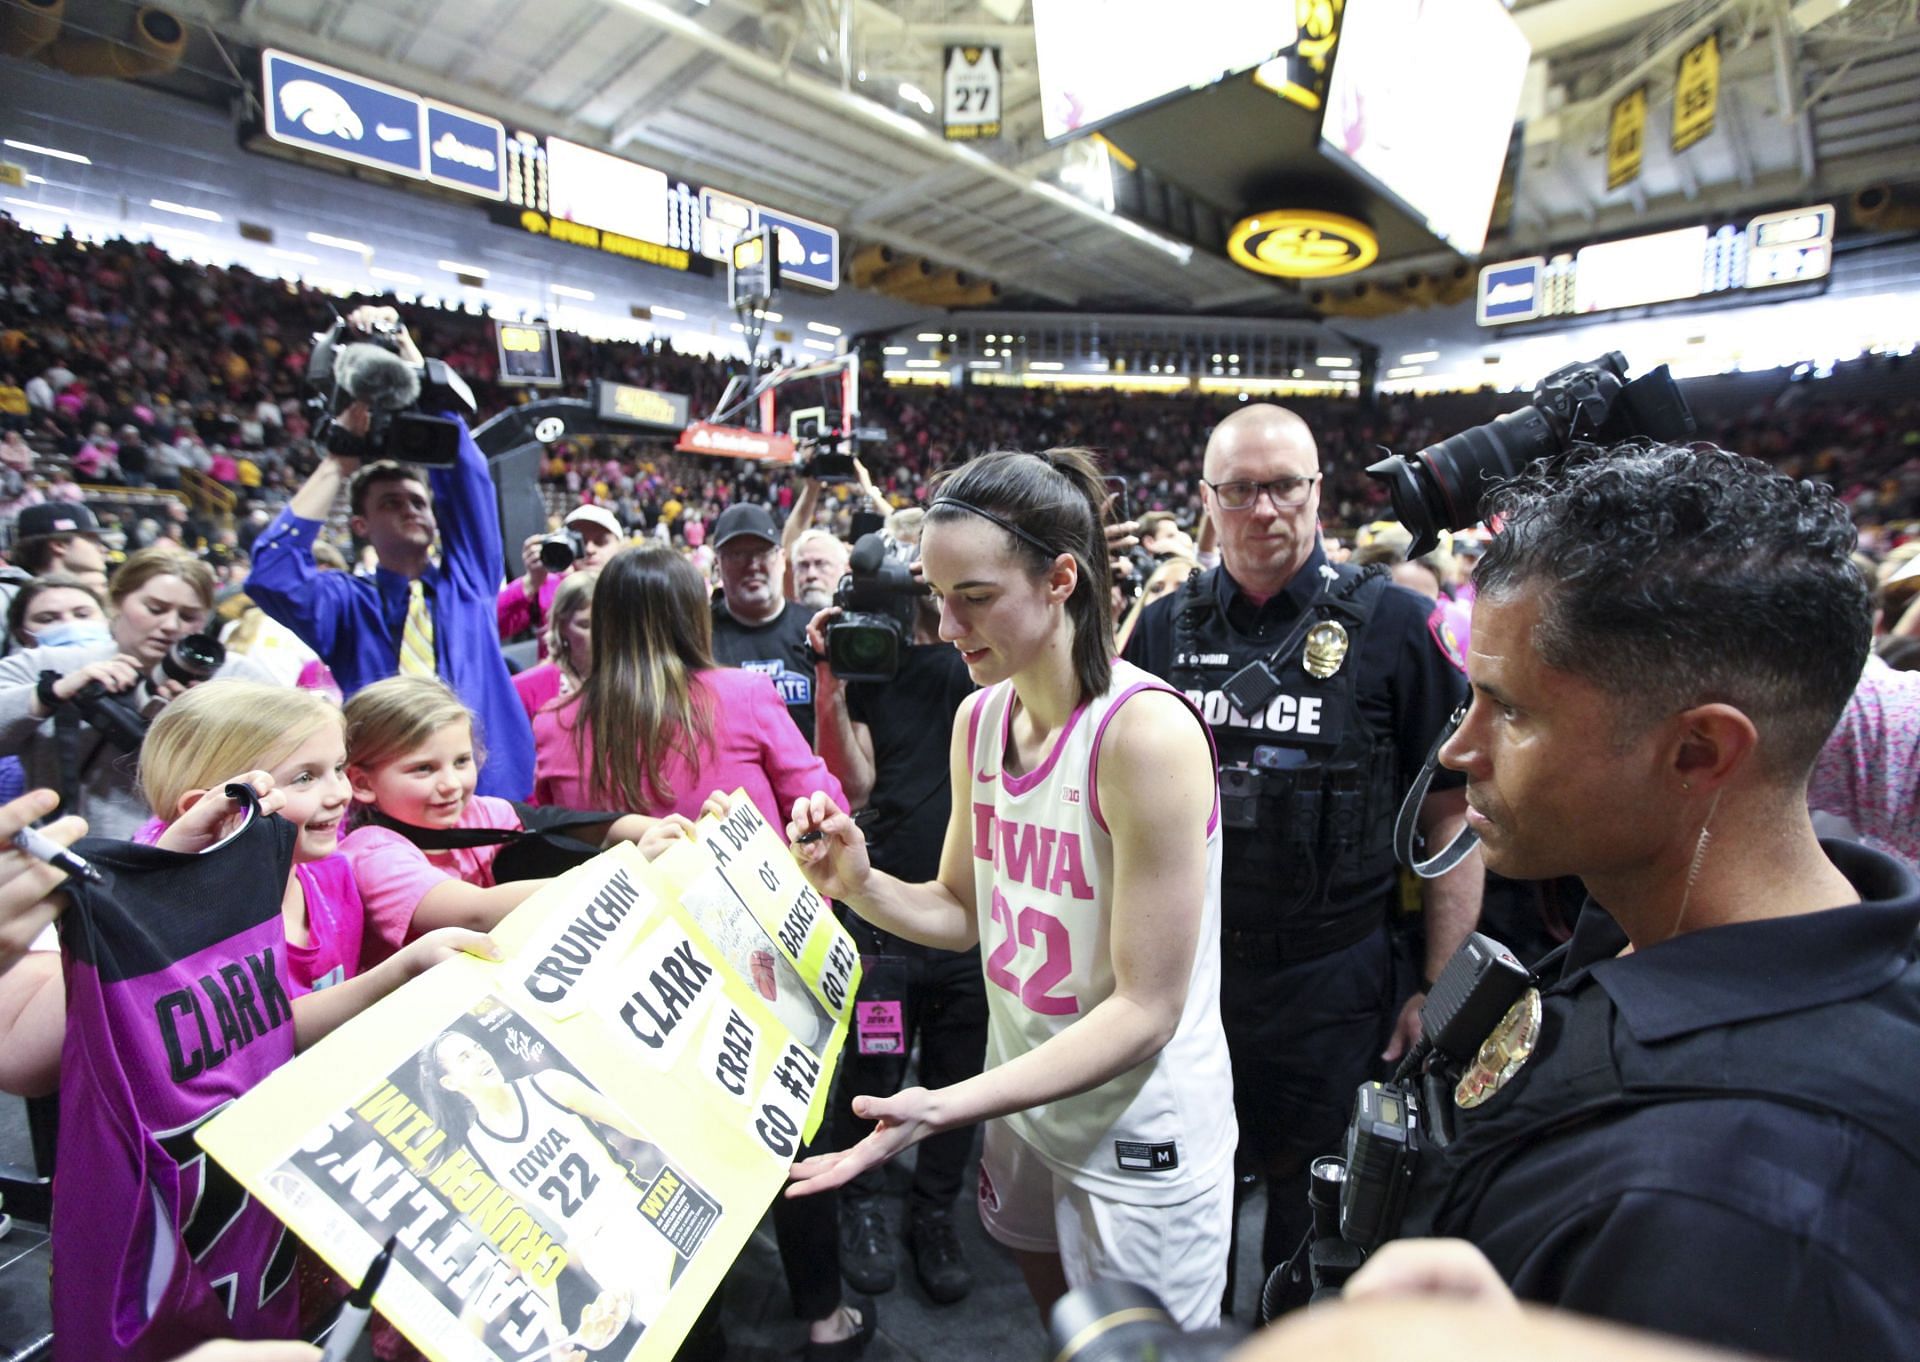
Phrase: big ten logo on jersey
(794, 688)
(1031, 952)
(784, 1100)
(1308, 717)
(662, 989)
(727, 1054)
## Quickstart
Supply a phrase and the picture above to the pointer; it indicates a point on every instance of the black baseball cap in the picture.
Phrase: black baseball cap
(55, 517)
(745, 518)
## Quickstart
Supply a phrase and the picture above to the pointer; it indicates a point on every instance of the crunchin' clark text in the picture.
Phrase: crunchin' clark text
(459, 1228)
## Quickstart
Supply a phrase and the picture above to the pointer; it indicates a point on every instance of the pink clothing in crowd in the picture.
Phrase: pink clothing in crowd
(537, 685)
(335, 919)
(1869, 771)
(394, 875)
(754, 746)
(517, 614)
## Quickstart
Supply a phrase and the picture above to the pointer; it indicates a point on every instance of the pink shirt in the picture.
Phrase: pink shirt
(754, 746)
(336, 922)
(537, 685)
(393, 874)
(1869, 771)
(516, 613)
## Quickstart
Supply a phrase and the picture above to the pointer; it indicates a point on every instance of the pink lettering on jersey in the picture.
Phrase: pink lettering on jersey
(1028, 853)
(983, 832)
(1026, 850)
(1069, 873)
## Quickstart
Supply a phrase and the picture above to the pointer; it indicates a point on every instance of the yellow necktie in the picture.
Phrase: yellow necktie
(416, 637)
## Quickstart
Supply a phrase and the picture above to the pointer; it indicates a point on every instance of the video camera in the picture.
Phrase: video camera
(877, 599)
(1441, 487)
(403, 400)
(190, 660)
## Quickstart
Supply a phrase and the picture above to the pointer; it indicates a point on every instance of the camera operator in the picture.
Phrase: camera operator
(1314, 763)
(887, 744)
(55, 536)
(160, 597)
(415, 615)
(1702, 1120)
(586, 539)
(755, 627)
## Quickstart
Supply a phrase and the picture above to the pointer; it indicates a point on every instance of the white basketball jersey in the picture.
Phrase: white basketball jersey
(1043, 880)
(564, 1175)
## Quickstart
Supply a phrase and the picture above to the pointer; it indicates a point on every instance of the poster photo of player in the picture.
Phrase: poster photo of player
(532, 1209)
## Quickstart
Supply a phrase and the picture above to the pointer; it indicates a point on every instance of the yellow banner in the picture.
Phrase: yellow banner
(570, 1145)
(1696, 92)
(1626, 137)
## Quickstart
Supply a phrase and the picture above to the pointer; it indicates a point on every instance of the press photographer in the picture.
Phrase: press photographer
(887, 689)
(418, 614)
(1693, 1118)
(74, 708)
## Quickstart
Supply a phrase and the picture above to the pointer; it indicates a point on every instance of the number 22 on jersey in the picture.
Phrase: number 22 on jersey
(1031, 927)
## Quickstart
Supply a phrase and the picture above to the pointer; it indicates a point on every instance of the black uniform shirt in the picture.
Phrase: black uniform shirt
(1408, 686)
(1716, 1201)
(777, 649)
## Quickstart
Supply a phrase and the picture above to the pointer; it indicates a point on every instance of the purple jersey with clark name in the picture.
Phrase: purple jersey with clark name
(178, 1002)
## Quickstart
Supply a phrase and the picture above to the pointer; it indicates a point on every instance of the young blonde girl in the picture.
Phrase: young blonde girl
(413, 760)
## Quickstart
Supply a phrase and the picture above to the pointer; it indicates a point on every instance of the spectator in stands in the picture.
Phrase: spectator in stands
(158, 597)
(55, 609)
(528, 602)
(60, 536)
(754, 626)
(568, 641)
(14, 410)
(819, 562)
(414, 615)
(1161, 536)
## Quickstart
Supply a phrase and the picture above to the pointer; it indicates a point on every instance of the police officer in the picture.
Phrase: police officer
(1702, 1121)
(1325, 689)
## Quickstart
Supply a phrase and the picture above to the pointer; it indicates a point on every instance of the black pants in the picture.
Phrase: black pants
(808, 1231)
(1302, 1036)
(944, 1003)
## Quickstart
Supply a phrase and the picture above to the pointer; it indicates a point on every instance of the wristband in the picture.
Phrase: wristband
(44, 690)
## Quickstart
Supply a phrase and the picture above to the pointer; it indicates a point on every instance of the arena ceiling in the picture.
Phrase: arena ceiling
(806, 105)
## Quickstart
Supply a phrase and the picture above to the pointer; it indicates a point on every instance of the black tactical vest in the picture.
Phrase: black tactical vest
(1308, 788)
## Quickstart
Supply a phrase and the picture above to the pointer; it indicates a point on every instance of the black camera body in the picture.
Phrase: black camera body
(403, 402)
(561, 549)
(1442, 486)
(877, 599)
(190, 660)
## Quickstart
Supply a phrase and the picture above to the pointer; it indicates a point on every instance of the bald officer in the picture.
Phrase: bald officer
(1325, 687)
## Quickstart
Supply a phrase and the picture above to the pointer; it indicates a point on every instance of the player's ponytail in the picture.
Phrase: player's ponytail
(1047, 504)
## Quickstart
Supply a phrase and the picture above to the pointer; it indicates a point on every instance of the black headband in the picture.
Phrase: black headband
(1001, 521)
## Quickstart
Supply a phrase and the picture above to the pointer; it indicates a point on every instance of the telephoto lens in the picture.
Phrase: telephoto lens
(1112, 1321)
(559, 549)
(194, 658)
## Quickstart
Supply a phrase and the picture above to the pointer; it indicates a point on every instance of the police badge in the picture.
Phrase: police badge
(1326, 649)
(1502, 1053)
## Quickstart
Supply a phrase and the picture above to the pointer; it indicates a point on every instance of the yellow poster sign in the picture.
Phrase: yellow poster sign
(571, 1145)
(1696, 92)
(1626, 137)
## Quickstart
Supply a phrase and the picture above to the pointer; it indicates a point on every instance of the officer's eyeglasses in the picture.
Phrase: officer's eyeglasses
(1284, 493)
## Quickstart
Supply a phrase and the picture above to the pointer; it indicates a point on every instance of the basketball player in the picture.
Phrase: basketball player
(1083, 855)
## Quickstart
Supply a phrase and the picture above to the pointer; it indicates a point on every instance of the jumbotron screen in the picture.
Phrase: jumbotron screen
(1096, 62)
(1421, 104)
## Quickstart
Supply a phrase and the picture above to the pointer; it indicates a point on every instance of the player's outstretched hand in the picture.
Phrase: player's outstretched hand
(830, 847)
(900, 1122)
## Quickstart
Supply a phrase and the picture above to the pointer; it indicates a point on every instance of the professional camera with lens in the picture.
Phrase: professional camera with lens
(1441, 487)
(876, 599)
(404, 401)
(1115, 1321)
(559, 550)
(190, 660)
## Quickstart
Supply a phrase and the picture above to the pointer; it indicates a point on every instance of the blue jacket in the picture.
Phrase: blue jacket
(354, 623)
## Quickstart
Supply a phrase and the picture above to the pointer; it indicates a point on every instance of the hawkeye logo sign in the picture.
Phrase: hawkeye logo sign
(1301, 244)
